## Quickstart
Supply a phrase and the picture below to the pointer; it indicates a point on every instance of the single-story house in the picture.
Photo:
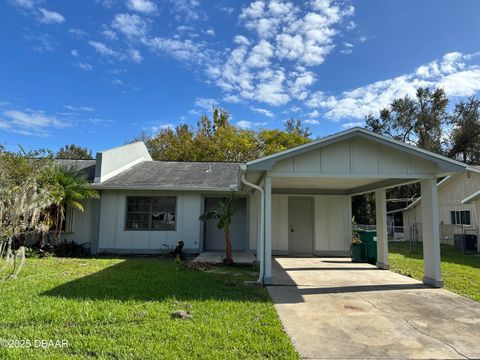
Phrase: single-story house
(458, 209)
(295, 202)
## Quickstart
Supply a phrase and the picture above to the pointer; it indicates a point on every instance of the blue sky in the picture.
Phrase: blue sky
(97, 73)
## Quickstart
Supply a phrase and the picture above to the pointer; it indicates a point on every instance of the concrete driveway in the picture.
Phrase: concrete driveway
(335, 309)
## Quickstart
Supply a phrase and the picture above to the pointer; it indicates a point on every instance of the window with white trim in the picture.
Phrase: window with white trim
(156, 213)
(460, 217)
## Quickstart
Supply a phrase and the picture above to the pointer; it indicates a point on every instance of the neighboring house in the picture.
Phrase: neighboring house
(457, 214)
(295, 202)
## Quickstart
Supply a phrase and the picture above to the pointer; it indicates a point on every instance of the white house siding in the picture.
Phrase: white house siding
(332, 225)
(356, 156)
(450, 196)
(114, 238)
(82, 226)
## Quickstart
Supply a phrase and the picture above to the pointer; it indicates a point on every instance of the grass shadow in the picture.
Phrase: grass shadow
(150, 279)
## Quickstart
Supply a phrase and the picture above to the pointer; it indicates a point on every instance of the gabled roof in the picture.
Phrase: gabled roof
(173, 175)
(471, 198)
(444, 163)
(84, 166)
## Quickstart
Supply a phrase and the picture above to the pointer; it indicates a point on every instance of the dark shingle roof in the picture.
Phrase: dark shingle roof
(85, 166)
(177, 175)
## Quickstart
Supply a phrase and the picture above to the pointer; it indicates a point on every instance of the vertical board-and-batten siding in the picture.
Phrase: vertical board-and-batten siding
(332, 224)
(82, 226)
(114, 236)
(450, 196)
(356, 156)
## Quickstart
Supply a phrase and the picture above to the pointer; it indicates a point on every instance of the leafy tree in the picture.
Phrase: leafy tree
(418, 121)
(70, 188)
(74, 152)
(216, 139)
(465, 135)
(25, 196)
(224, 218)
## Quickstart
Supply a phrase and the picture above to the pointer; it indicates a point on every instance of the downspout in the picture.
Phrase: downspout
(261, 251)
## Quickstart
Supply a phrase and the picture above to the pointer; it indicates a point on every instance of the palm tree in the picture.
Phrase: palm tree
(228, 208)
(71, 188)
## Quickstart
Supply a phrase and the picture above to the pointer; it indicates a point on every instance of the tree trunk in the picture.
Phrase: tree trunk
(60, 220)
(228, 249)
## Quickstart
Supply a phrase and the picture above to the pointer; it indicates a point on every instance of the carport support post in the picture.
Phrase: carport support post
(267, 277)
(382, 236)
(431, 233)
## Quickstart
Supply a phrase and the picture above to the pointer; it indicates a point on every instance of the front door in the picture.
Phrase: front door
(300, 226)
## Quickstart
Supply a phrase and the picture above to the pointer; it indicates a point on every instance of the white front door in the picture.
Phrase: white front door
(300, 226)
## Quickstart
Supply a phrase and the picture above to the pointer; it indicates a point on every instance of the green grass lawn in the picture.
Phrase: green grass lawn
(121, 309)
(460, 272)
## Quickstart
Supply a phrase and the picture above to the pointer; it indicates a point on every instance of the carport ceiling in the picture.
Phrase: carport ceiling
(330, 185)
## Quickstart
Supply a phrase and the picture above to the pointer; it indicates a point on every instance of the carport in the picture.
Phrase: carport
(301, 197)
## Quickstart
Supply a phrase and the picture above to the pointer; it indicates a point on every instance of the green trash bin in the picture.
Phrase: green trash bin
(358, 252)
(369, 238)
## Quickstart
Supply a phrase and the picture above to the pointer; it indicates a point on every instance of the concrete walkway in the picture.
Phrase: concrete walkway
(335, 309)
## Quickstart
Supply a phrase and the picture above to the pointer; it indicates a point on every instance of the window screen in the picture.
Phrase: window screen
(151, 213)
(460, 217)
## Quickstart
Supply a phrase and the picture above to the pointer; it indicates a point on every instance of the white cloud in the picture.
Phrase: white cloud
(78, 33)
(351, 25)
(74, 52)
(314, 114)
(262, 111)
(206, 103)
(463, 83)
(227, 9)
(188, 10)
(50, 17)
(30, 122)
(79, 108)
(135, 56)
(183, 50)
(41, 42)
(143, 6)
(26, 4)
(246, 125)
(271, 90)
(109, 34)
(260, 54)
(353, 124)
(132, 26)
(452, 73)
(103, 49)
(241, 40)
(311, 122)
(84, 66)
(272, 54)
(131, 55)
(362, 39)
(286, 35)
(234, 99)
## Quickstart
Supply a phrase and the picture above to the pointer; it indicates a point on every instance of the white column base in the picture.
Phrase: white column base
(382, 266)
(433, 282)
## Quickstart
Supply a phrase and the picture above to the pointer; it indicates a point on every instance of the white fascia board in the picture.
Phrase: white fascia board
(157, 188)
(471, 198)
(415, 203)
